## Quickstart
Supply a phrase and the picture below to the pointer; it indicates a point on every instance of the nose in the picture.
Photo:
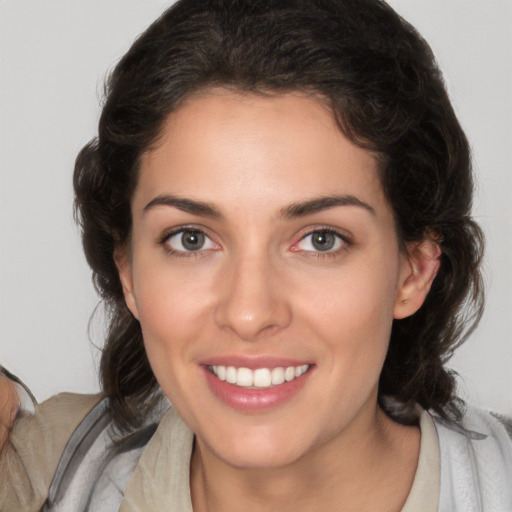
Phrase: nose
(253, 303)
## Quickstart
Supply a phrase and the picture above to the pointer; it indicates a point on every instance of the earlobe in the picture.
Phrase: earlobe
(419, 268)
(124, 269)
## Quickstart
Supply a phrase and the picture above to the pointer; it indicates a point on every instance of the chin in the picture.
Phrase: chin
(258, 450)
(258, 458)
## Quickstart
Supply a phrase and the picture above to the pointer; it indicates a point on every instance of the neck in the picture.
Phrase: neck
(371, 462)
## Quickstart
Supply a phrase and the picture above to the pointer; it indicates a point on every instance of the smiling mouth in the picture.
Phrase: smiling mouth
(260, 378)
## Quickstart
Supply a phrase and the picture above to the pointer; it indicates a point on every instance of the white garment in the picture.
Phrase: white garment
(476, 464)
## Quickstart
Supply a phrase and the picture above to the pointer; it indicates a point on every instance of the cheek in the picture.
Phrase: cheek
(172, 321)
(354, 327)
(168, 294)
(353, 313)
(170, 306)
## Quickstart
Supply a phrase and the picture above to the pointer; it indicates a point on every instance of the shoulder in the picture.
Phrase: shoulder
(36, 443)
(99, 460)
(161, 477)
(476, 462)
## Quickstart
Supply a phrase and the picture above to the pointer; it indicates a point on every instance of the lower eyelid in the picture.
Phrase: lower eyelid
(342, 242)
(166, 238)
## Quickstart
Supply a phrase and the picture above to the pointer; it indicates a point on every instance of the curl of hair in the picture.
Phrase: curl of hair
(382, 83)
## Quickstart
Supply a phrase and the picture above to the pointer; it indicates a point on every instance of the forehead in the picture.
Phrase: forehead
(256, 148)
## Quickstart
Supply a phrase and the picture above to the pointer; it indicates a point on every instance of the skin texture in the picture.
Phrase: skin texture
(259, 287)
(9, 404)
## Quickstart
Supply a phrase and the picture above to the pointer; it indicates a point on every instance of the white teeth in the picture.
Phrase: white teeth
(220, 372)
(244, 377)
(230, 374)
(277, 376)
(289, 373)
(261, 377)
(299, 370)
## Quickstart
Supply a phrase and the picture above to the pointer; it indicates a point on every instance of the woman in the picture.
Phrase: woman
(277, 213)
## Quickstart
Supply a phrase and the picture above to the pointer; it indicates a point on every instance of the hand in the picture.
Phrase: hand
(9, 405)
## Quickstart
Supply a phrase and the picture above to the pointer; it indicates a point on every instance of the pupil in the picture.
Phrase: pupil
(192, 240)
(323, 240)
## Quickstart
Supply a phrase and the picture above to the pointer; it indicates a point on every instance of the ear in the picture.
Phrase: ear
(124, 268)
(419, 268)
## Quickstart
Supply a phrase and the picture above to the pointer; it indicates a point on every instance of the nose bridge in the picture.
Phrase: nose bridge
(251, 302)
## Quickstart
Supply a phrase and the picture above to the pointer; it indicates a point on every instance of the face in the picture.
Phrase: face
(265, 270)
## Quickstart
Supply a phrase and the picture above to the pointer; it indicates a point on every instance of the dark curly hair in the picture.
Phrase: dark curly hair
(382, 83)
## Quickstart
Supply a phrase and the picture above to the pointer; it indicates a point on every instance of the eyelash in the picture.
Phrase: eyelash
(343, 238)
(164, 241)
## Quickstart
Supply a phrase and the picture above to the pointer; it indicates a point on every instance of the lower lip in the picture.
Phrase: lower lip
(254, 400)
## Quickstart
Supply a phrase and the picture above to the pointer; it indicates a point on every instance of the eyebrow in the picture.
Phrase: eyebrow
(323, 203)
(186, 205)
(300, 209)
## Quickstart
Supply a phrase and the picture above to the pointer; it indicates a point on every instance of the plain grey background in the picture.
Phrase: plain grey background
(53, 57)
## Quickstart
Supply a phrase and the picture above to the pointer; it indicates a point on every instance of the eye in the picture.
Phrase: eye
(188, 240)
(322, 240)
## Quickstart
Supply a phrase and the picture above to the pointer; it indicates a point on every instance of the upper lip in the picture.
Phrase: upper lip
(253, 362)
